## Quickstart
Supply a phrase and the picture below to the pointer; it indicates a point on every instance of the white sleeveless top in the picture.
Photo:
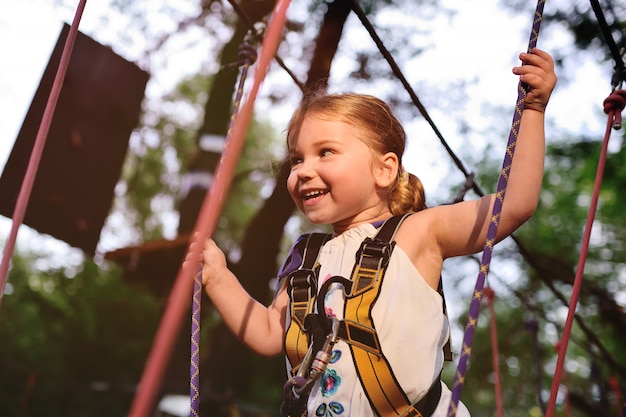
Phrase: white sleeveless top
(410, 323)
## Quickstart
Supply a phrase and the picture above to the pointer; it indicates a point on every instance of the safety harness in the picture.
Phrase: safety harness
(310, 336)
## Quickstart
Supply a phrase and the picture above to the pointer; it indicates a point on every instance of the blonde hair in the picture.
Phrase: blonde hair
(381, 131)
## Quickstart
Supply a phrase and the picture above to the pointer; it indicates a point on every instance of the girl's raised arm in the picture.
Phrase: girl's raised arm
(461, 229)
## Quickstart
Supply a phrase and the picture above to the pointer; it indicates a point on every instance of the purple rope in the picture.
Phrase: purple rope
(194, 369)
(247, 56)
(459, 377)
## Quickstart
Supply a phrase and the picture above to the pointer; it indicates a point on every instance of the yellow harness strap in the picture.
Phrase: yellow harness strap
(302, 288)
(380, 384)
(357, 328)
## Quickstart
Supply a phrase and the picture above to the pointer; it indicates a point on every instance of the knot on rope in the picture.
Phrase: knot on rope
(489, 293)
(293, 403)
(613, 106)
(247, 54)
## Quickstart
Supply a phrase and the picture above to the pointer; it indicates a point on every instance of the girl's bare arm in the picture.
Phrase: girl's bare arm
(259, 327)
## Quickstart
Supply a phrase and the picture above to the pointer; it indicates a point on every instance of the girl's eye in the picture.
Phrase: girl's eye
(293, 160)
(326, 152)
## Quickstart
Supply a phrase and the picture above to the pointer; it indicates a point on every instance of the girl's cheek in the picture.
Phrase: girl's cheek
(291, 184)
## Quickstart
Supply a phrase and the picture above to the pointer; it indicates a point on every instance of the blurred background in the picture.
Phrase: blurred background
(138, 133)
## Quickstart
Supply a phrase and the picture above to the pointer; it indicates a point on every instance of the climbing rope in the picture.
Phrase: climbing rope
(40, 141)
(246, 57)
(613, 106)
(616, 52)
(470, 183)
(251, 25)
(474, 310)
(208, 217)
(194, 370)
(568, 405)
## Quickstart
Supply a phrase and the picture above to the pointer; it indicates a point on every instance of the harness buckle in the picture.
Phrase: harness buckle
(301, 286)
(372, 259)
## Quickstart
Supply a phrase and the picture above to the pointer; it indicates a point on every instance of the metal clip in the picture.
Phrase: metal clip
(318, 364)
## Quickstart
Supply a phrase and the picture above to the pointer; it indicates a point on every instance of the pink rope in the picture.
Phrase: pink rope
(568, 405)
(613, 106)
(179, 298)
(40, 142)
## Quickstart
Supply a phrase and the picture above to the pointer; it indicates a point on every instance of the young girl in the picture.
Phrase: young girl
(346, 157)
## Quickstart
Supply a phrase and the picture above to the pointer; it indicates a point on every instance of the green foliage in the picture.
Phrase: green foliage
(254, 180)
(158, 153)
(516, 364)
(164, 146)
(63, 333)
(73, 342)
(552, 242)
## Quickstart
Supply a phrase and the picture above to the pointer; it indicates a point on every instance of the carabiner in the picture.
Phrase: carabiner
(321, 361)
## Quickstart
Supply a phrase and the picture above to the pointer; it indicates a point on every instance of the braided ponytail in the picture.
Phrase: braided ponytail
(407, 194)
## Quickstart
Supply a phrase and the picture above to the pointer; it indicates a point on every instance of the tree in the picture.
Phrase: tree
(544, 255)
(74, 338)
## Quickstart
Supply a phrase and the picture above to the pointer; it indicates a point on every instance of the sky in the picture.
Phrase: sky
(479, 45)
(469, 46)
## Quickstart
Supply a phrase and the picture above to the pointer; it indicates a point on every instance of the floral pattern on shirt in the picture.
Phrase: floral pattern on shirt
(331, 409)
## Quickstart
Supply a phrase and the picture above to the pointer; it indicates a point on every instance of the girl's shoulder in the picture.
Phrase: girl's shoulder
(416, 232)
(420, 219)
(307, 245)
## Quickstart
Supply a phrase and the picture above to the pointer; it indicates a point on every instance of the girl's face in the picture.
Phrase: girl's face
(334, 178)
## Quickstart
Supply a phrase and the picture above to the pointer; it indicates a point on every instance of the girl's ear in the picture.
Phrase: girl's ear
(387, 170)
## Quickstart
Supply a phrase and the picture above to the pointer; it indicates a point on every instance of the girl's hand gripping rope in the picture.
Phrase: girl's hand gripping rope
(536, 71)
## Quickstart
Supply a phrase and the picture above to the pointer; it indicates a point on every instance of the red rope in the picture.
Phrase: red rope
(179, 299)
(490, 296)
(568, 406)
(40, 141)
(617, 392)
(613, 106)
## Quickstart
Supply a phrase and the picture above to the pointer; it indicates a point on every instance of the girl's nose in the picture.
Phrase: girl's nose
(306, 170)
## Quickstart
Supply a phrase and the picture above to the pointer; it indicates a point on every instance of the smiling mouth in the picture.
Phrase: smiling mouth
(314, 194)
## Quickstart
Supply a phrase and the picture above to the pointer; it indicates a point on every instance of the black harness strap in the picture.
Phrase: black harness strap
(447, 348)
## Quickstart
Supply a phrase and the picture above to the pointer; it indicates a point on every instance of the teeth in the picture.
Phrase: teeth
(313, 194)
